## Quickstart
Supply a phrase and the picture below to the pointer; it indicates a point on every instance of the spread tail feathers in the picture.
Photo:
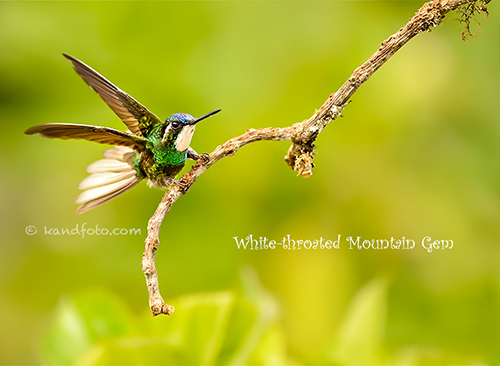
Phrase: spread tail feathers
(108, 178)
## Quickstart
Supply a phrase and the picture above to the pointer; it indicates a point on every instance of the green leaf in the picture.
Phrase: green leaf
(68, 336)
(192, 336)
(211, 328)
(133, 350)
(105, 315)
(256, 314)
(204, 321)
(361, 333)
(82, 322)
(271, 348)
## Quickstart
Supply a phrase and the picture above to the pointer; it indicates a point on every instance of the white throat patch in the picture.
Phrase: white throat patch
(184, 139)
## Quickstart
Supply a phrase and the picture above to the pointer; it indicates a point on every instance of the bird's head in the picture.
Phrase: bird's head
(180, 128)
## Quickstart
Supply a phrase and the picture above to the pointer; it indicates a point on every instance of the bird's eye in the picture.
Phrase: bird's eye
(176, 125)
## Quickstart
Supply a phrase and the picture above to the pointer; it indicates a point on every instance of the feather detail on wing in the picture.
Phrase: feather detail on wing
(108, 178)
(102, 135)
(138, 118)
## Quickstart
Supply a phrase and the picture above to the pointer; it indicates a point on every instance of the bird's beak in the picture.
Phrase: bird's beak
(184, 139)
(196, 120)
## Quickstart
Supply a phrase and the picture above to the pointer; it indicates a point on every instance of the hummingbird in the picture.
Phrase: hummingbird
(150, 149)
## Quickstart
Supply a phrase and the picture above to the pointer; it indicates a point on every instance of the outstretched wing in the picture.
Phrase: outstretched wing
(102, 135)
(138, 118)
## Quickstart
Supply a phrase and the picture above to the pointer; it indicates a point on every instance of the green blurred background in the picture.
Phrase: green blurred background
(417, 154)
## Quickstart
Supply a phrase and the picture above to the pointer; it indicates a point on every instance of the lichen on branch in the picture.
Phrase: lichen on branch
(468, 12)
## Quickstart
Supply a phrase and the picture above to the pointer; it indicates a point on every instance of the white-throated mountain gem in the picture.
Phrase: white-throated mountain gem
(150, 149)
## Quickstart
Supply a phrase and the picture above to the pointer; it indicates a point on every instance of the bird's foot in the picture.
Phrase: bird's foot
(183, 185)
(205, 157)
(169, 181)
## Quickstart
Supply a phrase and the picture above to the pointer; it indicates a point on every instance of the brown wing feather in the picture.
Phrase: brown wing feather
(126, 107)
(102, 135)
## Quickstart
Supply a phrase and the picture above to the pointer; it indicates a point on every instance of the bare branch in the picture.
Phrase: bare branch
(156, 303)
(302, 134)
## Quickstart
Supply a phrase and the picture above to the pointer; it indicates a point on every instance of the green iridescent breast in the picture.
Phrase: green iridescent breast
(160, 160)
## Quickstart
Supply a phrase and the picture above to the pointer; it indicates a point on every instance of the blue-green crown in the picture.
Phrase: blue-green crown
(184, 118)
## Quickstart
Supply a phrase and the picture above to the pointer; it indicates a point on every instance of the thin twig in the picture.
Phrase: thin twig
(302, 134)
